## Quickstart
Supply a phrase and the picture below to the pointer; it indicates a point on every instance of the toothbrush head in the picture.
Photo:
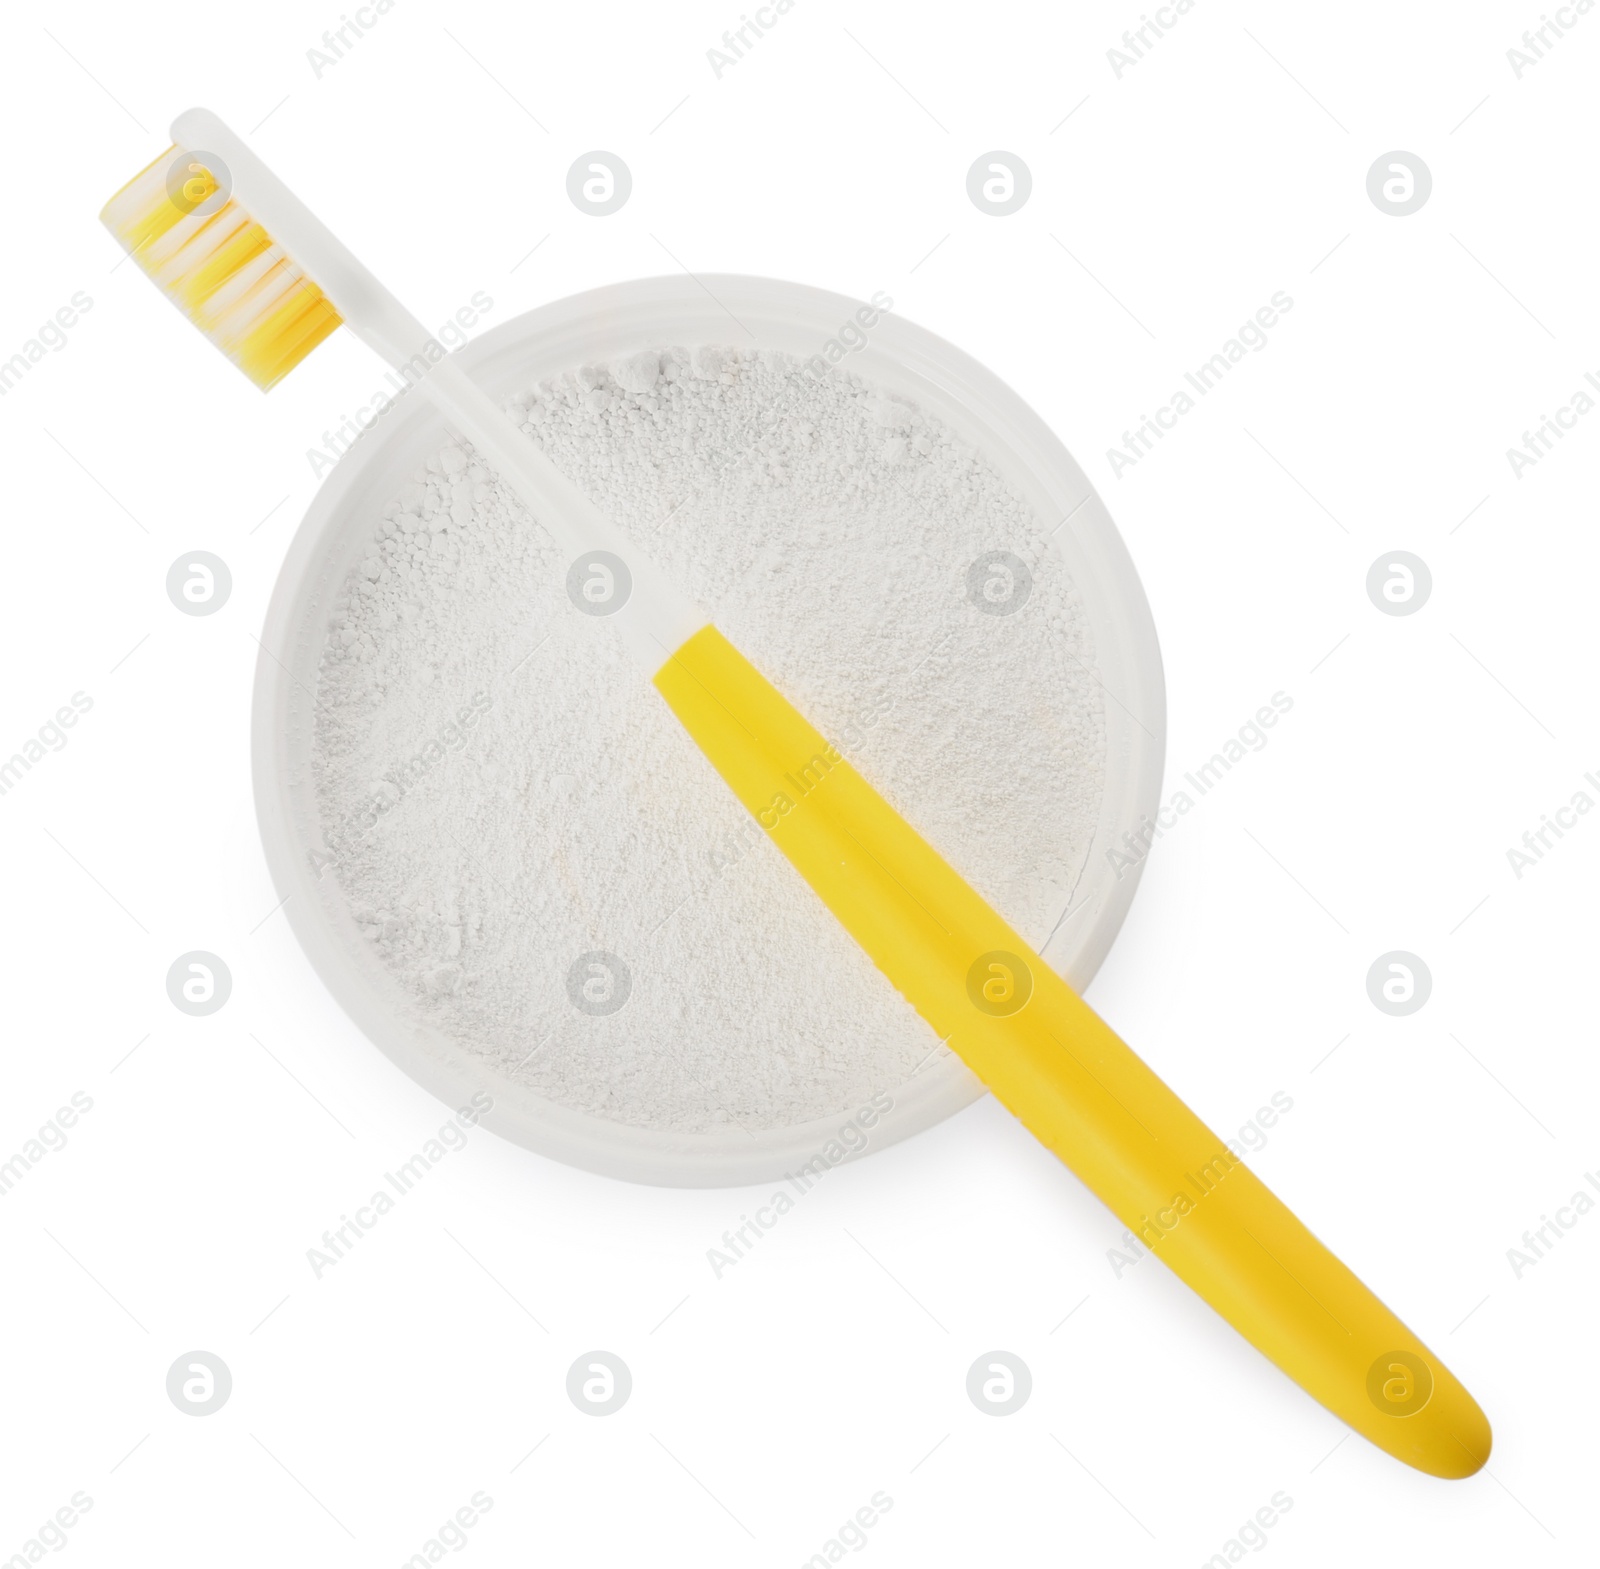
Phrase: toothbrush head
(179, 221)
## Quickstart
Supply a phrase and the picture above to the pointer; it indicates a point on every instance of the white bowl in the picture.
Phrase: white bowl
(597, 327)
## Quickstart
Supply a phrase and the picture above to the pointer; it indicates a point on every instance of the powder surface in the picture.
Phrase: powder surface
(504, 798)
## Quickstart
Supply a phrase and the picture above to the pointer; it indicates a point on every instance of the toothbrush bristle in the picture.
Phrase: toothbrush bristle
(220, 267)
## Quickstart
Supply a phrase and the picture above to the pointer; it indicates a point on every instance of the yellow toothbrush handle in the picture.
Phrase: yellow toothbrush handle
(1057, 1067)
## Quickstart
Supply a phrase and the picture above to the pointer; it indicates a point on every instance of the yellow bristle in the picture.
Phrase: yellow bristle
(293, 330)
(247, 242)
(228, 295)
(229, 318)
(140, 212)
(221, 268)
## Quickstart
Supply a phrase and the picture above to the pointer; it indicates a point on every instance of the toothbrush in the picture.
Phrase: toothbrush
(246, 260)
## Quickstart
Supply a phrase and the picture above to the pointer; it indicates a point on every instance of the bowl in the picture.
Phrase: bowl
(599, 326)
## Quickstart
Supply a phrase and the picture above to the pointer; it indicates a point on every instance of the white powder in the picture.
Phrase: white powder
(504, 794)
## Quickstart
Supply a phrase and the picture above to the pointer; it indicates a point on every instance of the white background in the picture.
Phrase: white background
(769, 1405)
